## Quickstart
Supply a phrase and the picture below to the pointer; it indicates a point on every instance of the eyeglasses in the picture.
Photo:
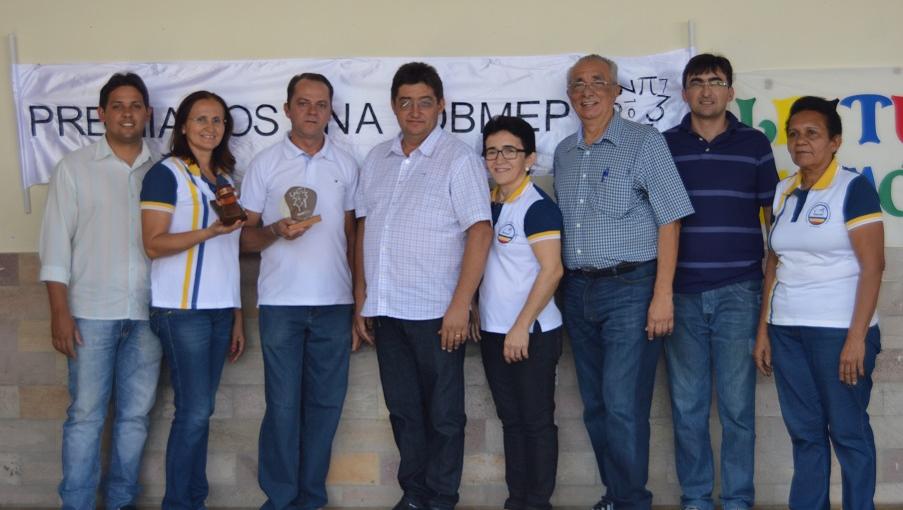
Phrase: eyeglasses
(508, 152)
(596, 86)
(424, 103)
(715, 83)
(203, 120)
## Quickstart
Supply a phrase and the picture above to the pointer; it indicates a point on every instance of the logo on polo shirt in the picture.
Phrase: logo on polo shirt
(819, 213)
(507, 233)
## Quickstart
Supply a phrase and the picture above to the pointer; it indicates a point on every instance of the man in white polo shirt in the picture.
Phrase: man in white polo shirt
(304, 295)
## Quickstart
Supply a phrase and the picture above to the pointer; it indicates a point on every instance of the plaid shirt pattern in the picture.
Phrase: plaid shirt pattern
(417, 211)
(615, 193)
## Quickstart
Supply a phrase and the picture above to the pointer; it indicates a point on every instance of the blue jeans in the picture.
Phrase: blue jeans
(714, 332)
(820, 410)
(195, 343)
(306, 351)
(120, 354)
(605, 319)
(424, 390)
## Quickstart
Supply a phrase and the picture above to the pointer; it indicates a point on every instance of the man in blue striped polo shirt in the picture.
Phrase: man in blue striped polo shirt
(729, 172)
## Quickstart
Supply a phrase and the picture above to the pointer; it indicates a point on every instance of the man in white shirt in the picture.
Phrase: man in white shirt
(424, 233)
(304, 294)
(96, 273)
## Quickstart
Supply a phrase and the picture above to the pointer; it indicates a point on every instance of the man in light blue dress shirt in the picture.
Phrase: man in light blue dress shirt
(423, 236)
(97, 277)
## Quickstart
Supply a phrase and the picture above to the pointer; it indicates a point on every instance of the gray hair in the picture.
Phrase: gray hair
(592, 57)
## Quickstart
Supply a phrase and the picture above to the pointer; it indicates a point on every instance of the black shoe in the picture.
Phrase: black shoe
(604, 504)
(407, 504)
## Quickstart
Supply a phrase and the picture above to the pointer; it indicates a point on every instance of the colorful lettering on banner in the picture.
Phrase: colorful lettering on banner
(871, 119)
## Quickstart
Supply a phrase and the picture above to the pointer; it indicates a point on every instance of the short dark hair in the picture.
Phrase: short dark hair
(708, 63)
(307, 76)
(123, 80)
(413, 73)
(828, 110)
(222, 158)
(514, 125)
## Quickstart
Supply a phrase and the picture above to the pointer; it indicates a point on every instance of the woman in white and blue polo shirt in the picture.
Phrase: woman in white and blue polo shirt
(194, 283)
(520, 324)
(819, 332)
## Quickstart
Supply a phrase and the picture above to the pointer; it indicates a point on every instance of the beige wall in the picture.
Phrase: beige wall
(754, 34)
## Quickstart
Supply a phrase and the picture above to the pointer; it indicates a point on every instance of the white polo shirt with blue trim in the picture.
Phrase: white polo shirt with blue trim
(526, 217)
(817, 271)
(205, 276)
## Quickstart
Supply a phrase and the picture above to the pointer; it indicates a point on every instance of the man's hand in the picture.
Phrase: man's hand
(65, 333)
(361, 331)
(660, 318)
(217, 228)
(517, 343)
(289, 229)
(454, 327)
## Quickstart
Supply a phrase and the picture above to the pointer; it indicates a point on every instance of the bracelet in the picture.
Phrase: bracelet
(273, 230)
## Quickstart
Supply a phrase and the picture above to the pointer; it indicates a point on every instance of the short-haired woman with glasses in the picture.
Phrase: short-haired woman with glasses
(519, 322)
(195, 298)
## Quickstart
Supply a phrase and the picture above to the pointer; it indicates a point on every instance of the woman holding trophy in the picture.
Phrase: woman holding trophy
(191, 222)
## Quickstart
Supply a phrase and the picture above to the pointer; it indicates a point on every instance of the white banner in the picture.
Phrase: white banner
(57, 104)
(871, 108)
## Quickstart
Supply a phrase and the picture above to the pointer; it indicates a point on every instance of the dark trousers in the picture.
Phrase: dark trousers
(524, 395)
(424, 390)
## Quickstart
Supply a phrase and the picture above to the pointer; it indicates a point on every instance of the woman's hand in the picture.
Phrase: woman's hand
(762, 352)
(517, 343)
(217, 228)
(852, 360)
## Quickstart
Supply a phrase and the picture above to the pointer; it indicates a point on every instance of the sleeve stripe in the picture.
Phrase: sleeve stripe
(863, 220)
(548, 234)
(157, 206)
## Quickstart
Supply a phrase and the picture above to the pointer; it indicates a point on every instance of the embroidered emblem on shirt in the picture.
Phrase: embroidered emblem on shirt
(819, 213)
(507, 234)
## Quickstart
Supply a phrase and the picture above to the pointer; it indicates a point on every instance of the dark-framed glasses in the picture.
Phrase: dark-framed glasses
(508, 152)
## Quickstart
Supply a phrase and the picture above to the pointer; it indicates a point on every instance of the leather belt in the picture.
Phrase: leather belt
(596, 272)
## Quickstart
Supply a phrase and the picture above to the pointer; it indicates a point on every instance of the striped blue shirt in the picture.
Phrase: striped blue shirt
(615, 193)
(728, 179)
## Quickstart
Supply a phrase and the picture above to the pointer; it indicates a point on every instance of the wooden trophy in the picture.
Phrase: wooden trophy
(301, 203)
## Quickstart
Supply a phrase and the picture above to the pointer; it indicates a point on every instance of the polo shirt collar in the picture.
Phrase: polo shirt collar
(103, 150)
(426, 148)
(292, 151)
(517, 192)
(732, 124)
(823, 182)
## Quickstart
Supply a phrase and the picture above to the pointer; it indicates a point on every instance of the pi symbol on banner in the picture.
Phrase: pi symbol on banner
(644, 99)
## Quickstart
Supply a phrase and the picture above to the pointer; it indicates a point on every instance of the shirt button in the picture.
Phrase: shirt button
(579, 251)
(581, 200)
(578, 225)
(707, 149)
(584, 176)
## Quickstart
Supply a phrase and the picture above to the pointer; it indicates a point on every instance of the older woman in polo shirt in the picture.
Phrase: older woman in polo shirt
(520, 324)
(819, 332)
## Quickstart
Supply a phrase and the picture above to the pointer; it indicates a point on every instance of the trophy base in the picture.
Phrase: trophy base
(308, 222)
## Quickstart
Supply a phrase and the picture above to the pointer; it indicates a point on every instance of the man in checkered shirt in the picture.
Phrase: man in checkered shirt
(622, 200)
(423, 236)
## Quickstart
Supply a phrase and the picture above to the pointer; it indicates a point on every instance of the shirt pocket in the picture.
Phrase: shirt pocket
(613, 196)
